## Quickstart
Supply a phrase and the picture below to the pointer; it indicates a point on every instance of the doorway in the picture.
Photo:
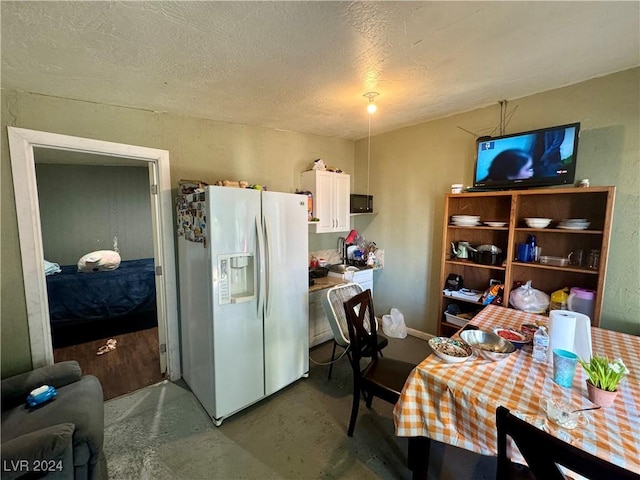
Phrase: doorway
(22, 143)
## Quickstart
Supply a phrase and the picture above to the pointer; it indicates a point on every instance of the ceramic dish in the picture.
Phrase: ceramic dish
(573, 227)
(517, 338)
(533, 222)
(450, 350)
(466, 224)
(574, 224)
(575, 220)
(562, 413)
(495, 224)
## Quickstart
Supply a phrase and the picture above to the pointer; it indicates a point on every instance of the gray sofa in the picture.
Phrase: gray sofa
(61, 439)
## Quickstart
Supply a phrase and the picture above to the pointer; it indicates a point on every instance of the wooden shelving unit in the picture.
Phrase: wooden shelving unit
(595, 204)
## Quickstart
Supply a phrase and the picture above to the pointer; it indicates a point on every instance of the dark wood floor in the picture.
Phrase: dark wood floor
(135, 362)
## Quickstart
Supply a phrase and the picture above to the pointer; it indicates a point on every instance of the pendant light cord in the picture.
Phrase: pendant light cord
(368, 154)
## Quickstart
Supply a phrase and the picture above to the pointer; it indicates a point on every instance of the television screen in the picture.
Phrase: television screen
(537, 158)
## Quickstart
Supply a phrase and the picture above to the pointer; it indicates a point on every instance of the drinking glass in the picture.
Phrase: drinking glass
(576, 258)
(594, 259)
(564, 367)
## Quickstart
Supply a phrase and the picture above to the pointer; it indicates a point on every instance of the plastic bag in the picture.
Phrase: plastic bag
(393, 325)
(529, 299)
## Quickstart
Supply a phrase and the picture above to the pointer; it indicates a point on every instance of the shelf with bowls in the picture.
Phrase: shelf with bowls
(584, 213)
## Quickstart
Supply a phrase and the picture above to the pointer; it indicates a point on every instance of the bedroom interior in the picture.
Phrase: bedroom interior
(105, 320)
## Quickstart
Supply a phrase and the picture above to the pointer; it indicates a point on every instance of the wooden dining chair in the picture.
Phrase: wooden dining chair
(381, 377)
(544, 453)
(333, 306)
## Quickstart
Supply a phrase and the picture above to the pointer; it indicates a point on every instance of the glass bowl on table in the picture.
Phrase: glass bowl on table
(563, 412)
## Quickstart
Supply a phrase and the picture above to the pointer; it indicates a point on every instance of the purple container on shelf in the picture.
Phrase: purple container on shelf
(581, 300)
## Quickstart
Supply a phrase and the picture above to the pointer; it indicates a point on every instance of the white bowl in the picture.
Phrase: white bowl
(450, 350)
(495, 224)
(534, 222)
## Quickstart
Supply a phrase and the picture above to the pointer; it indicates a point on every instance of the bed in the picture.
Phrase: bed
(129, 290)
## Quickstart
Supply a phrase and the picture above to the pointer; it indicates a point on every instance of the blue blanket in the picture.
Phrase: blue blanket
(130, 289)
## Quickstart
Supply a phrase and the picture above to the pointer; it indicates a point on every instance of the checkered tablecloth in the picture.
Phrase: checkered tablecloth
(456, 403)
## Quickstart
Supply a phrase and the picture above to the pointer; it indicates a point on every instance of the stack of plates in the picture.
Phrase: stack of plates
(574, 224)
(465, 220)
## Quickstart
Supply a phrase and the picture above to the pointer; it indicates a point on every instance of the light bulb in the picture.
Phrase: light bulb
(372, 107)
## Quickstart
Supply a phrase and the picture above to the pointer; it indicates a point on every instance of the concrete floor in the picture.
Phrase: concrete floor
(162, 432)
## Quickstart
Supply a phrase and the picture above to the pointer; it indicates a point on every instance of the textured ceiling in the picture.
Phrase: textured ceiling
(304, 66)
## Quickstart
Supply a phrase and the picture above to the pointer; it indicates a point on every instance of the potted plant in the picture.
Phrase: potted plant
(604, 377)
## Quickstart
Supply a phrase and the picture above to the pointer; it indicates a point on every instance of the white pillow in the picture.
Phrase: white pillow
(99, 260)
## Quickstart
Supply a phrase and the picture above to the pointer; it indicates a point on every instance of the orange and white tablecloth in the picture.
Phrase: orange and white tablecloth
(456, 403)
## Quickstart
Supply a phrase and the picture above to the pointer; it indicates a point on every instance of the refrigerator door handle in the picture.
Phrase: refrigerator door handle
(267, 229)
(261, 254)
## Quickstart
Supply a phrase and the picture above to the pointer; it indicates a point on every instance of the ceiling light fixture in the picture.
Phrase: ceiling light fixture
(372, 107)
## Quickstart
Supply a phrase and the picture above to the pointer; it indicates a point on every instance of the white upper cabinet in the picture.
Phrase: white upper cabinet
(330, 199)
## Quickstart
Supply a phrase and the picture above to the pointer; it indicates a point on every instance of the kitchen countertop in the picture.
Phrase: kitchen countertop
(325, 282)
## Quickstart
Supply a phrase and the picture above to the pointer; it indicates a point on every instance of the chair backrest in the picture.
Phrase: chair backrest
(333, 305)
(363, 334)
(543, 453)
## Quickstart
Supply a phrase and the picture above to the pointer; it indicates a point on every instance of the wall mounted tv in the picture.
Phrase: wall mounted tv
(537, 158)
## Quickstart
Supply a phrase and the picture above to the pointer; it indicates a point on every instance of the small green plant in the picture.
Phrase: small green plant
(603, 373)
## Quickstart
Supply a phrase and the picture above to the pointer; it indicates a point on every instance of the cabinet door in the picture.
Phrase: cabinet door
(342, 189)
(330, 199)
(319, 328)
(364, 278)
(323, 203)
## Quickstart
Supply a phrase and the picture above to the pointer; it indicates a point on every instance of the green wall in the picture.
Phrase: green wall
(410, 171)
(412, 168)
(199, 149)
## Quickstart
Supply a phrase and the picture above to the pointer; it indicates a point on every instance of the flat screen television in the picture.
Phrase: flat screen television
(537, 158)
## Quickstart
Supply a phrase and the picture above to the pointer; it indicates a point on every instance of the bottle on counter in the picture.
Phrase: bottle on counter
(540, 345)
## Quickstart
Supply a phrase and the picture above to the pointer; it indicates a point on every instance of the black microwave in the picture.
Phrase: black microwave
(361, 203)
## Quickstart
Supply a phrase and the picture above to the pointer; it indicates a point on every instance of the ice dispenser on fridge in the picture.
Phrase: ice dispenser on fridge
(236, 278)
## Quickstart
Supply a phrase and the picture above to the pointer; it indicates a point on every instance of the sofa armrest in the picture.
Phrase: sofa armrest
(48, 450)
(16, 389)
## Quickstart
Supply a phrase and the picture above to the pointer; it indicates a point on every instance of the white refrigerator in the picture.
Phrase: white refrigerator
(242, 260)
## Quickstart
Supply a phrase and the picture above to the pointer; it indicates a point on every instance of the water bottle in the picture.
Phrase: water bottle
(540, 345)
(531, 240)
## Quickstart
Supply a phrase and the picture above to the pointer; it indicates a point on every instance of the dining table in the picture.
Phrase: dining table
(455, 403)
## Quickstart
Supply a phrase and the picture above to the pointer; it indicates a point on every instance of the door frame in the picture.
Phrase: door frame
(21, 144)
